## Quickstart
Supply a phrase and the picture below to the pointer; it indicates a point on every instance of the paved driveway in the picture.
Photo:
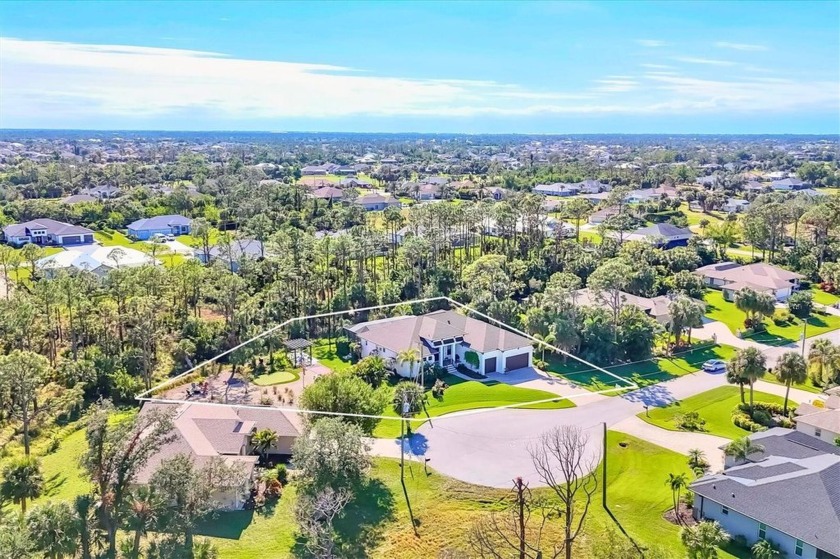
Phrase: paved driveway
(490, 447)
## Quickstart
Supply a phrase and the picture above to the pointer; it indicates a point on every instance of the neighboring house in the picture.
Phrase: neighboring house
(105, 191)
(144, 229)
(207, 431)
(78, 199)
(45, 231)
(496, 193)
(735, 205)
(788, 494)
(755, 186)
(811, 192)
(764, 278)
(427, 191)
(445, 338)
(354, 183)
(234, 254)
(602, 215)
(788, 184)
(328, 193)
(593, 187)
(319, 170)
(663, 235)
(377, 202)
(345, 170)
(556, 189)
(641, 196)
(96, 259)
(657, 308)
(820, 422)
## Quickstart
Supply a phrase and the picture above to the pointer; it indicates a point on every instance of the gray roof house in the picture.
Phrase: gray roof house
(374, 202)
(765, 278)
(445, 338)
(234, 254)
(205, 432)
(663, 235)
(788, 184)
(144, 229)
(45, 231)
(656, 307)
(789, 494)
(820, 422)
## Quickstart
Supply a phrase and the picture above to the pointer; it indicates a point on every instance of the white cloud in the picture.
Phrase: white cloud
(59, 83)
(740, 46)
(704, 61)
(651, 43)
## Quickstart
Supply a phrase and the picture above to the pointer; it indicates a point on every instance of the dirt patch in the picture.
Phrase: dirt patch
(685, 518)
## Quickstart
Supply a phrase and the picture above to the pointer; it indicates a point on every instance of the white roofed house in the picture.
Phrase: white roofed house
(822, 422)
(444, 338)
(764, 278)
(96, 259)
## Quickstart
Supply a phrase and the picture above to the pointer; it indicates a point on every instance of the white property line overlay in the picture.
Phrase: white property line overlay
(148, 395)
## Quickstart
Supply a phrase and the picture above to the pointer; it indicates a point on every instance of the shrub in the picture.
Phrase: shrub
(782, 317)
(690, 421)
(282, 474)
(342, 346)
(540, 364)
(744, 421)
(439, 388)
(266, 401)
(763, 418)
(471, 358)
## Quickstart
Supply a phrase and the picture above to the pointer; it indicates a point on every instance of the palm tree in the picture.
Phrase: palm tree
(790, 369)
(741, 449)
(749, 364)
(764, 549)
(686, 313)
(411, 356)
(734, 376)
(697, 461)
(677, 483)
(22, 480)
(823, 360)
(701, 541)
(53, 527)
(144, 507)
(263, 440)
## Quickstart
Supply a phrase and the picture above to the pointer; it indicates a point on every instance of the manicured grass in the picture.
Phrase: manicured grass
(823, 297)
(807, 386)
(715, 406)
(280, 377)
(469, 395)
(726, 312)
(49, 251)
(326, 355)
(115, 238)
(643, 373)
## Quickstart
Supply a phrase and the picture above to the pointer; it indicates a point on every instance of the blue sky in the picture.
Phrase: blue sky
(573, 67)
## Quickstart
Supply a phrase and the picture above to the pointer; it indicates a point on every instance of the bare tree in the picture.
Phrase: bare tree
(315, 514)
(517, 532)
(563, 463)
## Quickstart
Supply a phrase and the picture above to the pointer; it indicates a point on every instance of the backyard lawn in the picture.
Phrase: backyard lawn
(642, 373)
(715, 406)
(115, 238)
(325, 353)
(728, 313)
(469, 395)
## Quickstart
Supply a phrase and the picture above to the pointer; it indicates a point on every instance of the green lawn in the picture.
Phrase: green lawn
(445, 508)
(643, 373)
(728, 313)
(280, 377)
(63, 477)
(823, 297)
(115, 238)
(469, 395)
(807, 386)
(715, 406)
(326, 355)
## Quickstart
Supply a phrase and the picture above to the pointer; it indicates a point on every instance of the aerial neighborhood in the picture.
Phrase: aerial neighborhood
(253, 333)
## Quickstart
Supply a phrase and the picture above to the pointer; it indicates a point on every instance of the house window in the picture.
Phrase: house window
(724, 510)
(762, 531)
(798, 549)
(817, 432)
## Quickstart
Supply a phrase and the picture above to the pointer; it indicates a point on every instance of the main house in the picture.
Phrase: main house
(207, 431)
(657, 307)
(789, 494)
(764, 278)
(444, 338)
(45, 231)
(145, 229)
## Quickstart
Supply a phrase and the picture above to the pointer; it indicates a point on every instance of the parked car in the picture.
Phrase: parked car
(158, 238)
(714, 366)
(170, 237)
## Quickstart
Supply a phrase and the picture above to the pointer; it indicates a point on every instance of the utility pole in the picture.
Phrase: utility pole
(604, 472)
(804, 330)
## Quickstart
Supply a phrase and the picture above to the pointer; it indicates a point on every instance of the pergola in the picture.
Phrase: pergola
(296, 345)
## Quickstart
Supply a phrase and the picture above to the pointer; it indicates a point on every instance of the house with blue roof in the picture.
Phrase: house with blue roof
(145, 229)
